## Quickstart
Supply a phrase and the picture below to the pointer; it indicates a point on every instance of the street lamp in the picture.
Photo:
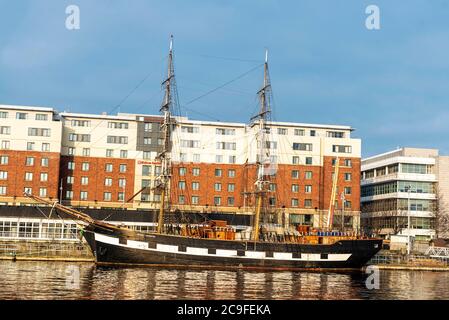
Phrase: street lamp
(408, 189)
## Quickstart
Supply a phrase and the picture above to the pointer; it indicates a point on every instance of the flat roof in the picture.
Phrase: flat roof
(27, 108)
(97, 116)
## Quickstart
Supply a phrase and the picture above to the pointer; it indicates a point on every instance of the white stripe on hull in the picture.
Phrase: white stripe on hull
(164, 248)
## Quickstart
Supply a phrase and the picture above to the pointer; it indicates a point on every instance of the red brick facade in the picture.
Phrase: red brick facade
(96, 175)
(17, 168)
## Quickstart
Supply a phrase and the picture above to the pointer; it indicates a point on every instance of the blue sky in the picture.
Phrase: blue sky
(392, 84)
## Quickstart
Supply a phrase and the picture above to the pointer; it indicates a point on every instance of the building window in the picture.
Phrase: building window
(4, 160)
(182, 171)
(148, 127)
(217, 186)
(348, 190)
(28, 190)
(282, 131)
(348, 163)
(309, 160)
(42, 192)
(308, 203)
(79, 137)
(3, 175)
(295, 202)
(109, 153)
(5, 144)
(21, 116)
(308, 189)
(45, 147)
(312, 133)
(118, 125)
(231, 173)
(107, 196)
(231, 201)
(123, 154)
(225, 132)
(28, 176)
(3, 114)
(231, 187)
(71, 165)
(29, 161)
(196, 172)
(44, 162)
(85, 166)
(348, 204)
(71, 151)
(83, 195)
(271, 201)
(147, 155)
(181, 199)
(70, 180)
(80, 123)
(295, 174)
(217, 201)
(186, 129)
(146, 141)
(41, 117)
(232, 159)
(196, 157)
(86, 152)
(335, 134)
(181, 185)
(5, 130)
(295, 160)
(299, 132)
(295, 188)
(30, 146)
(308, 175)
(348, 176)
(218, 172)
(122, 183)
(108, 167)
(122, 168)
(121, 196)
(195, 199)
(39, 132)
(84, 181)
(341, 149)
(108, 182)
(157, 170)
(146, 170)
(195, 186)
(218, 158)
(3, 190)
(44, 176)
(117, 140)
(302, 146)
(69, 195)
(160, 142)
(183, 157)
(272, 187)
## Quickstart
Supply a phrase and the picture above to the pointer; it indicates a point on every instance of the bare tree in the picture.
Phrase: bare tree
(441, 217)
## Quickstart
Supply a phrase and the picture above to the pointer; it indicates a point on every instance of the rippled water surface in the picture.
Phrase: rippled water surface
(57, 280)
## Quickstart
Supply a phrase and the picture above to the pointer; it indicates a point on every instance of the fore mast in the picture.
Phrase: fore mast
(263, 118)
(163, 180)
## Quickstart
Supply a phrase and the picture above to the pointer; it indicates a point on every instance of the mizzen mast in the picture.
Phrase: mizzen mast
(264, 149)
(163, 180)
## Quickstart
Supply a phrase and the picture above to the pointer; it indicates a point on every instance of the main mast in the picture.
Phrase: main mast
(264, 149)
(163, 180)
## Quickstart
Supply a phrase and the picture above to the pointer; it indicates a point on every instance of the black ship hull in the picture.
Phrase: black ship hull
(116, 248)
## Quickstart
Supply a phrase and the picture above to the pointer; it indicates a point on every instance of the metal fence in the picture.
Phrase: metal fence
(411, 260)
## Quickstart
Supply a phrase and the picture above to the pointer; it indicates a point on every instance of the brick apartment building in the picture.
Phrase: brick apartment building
(100, 161)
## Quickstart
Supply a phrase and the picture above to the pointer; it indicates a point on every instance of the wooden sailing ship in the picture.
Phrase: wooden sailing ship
(214, 243)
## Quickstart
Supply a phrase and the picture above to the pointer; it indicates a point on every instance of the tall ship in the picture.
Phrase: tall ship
(215, 243)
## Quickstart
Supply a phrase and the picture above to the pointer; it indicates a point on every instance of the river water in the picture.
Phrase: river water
(58, 280)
